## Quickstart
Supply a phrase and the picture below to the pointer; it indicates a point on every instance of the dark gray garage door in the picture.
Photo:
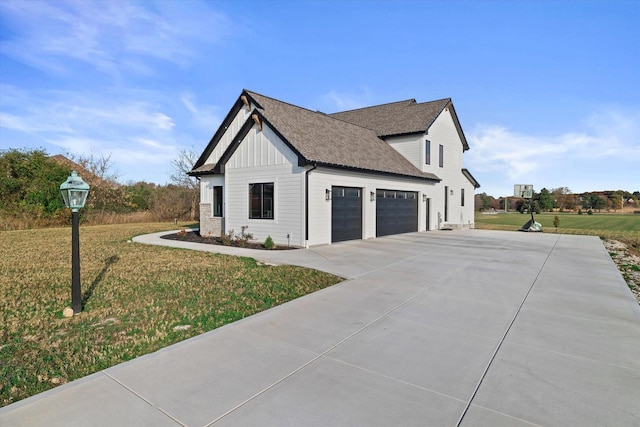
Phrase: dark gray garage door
(346, 213)
(396, 212)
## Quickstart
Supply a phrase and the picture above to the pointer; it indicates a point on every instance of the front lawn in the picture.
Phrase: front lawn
(138, 299)
(609, 226)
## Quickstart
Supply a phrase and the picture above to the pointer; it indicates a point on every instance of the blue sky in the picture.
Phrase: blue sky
(547, 92)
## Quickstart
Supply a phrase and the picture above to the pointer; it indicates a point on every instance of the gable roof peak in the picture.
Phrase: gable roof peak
(256, 95)
(396, 118)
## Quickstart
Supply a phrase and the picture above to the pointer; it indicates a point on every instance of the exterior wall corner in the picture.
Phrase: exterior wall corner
(210, 225)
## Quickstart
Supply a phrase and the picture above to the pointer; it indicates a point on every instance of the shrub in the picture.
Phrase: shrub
(243, 238)
(227, 238)
(589, 212)
(556, 222)
(268, 244)
(580, 211)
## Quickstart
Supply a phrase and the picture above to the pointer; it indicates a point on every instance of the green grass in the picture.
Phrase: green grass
(135, 296)
(608, 226)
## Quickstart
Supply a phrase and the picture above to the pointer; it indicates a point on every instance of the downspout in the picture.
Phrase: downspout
(306, 203)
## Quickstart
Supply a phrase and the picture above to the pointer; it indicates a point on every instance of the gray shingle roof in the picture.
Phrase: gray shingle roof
(323, 139)
(396, 118)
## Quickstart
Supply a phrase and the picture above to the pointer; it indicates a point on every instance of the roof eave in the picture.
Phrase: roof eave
(470, 177)
(373, 171)
(218, 134)
(456, 122)
(391, 135)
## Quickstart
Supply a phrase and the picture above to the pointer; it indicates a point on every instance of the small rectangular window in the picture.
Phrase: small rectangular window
(217, 201)
(441, 156)
(261, 201)
(427, 152)
(462, 197)
(446, 202)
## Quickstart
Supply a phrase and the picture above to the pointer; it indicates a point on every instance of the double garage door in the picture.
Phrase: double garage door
(396, 212)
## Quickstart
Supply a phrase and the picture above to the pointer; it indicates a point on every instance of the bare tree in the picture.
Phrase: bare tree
(100, 168)
(106, 194)
(181, 165)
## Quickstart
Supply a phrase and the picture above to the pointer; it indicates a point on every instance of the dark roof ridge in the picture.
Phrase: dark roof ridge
(435, 100)
(410, 100)
(329, 116)
(280, 101)
(347, 122)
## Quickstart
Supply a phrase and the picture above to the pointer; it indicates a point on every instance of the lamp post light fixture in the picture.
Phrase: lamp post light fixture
(74, 192)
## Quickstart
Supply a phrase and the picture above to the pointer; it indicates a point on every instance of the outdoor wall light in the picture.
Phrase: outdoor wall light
(74, 192)
(327, 194)
(424, 198)
(372, 196)
(451, 192)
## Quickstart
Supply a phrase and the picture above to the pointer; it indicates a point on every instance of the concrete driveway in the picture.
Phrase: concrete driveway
(442, 328)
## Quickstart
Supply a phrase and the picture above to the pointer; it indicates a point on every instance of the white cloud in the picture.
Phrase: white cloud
(605, 147)
(132, 132)
(109, 35)
(337, 101)
(73, 112)
(203, 116)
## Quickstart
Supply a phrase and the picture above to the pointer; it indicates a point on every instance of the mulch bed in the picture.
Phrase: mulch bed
(195, 237)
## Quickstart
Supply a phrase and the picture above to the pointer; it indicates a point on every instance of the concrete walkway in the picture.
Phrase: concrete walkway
(442, 328)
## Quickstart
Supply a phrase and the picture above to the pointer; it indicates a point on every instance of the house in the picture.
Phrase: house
(307, 178)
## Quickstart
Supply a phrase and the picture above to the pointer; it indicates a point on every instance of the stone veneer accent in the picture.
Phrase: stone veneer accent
(209, 225)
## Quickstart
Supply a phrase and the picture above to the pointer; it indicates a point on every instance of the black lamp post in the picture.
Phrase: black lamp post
(74, 191)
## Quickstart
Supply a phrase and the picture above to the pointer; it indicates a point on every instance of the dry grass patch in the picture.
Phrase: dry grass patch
(134, 298)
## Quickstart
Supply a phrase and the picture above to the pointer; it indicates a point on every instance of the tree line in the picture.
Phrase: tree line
(30, 182)
(563, 200)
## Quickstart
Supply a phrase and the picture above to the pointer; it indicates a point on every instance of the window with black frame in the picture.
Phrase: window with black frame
(217, 201)
(427, 152)
(261, 201)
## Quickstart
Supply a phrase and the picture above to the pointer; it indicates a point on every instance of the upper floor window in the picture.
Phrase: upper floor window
(427, 152)
(261, 201)
(462, 197)
(441, 156)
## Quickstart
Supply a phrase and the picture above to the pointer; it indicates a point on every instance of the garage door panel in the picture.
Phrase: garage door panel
(346, 213)
(396, 212)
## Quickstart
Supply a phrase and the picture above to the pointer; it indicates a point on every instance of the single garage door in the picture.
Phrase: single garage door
(396, 212)
(346, 213)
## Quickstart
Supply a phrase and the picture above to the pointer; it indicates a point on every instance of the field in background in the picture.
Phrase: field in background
(625, 228)
(138, 299)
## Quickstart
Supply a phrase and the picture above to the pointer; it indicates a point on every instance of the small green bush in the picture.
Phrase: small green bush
(589, 212)
(268, 243)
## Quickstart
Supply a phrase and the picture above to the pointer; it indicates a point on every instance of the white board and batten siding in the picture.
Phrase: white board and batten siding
(263, 158)
(321, 180)
(228, 136)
